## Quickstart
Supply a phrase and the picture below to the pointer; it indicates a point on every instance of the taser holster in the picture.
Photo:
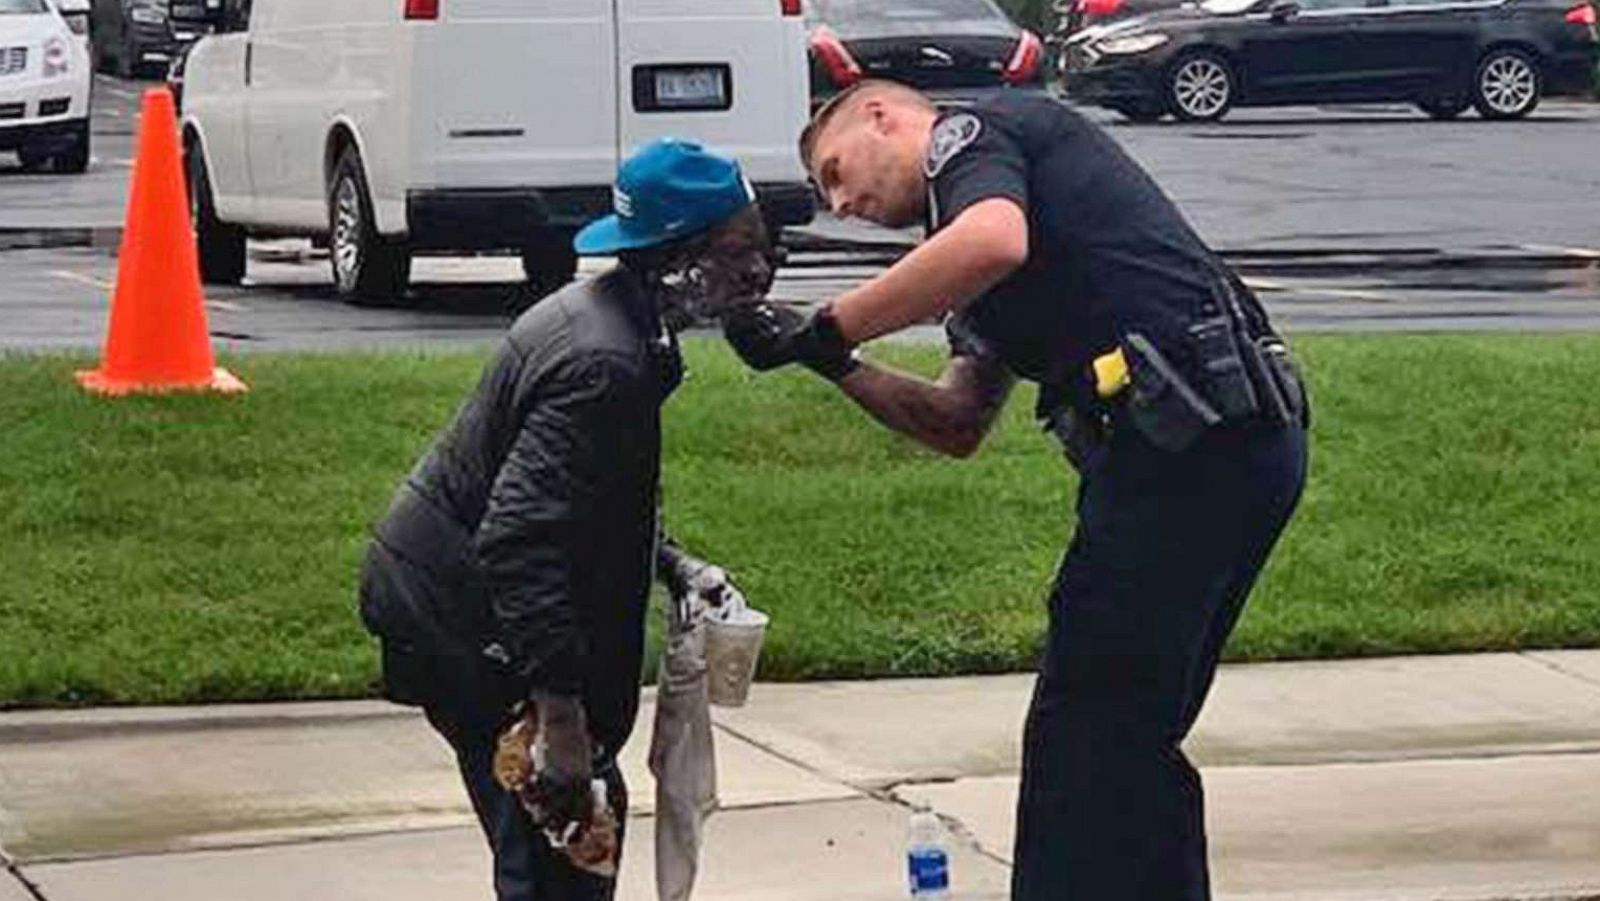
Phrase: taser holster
(1236, 378)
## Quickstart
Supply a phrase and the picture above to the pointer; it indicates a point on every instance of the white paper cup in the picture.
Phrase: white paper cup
(733, 648)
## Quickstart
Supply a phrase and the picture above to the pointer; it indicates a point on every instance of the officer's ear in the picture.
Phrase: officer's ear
(878, 115)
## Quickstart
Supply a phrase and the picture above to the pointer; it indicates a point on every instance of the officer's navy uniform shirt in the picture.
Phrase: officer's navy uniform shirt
(1108, 252)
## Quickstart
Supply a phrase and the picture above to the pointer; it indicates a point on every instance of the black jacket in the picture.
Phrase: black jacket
(520, 547)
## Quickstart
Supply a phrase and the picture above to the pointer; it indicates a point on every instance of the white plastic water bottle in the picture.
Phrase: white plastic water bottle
(926, 857)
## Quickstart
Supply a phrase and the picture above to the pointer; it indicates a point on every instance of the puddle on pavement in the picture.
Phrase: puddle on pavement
(180, 823)
(55, 238)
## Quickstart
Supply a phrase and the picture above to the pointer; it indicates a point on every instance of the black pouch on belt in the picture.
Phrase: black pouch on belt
(1290, 403)
(1225, 380)
(1164, 407)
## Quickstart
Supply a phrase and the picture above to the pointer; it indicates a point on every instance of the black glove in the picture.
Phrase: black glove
(766, 336)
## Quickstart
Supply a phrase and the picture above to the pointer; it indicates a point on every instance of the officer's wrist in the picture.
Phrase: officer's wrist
(834, 369)
(826, 337)
(828, 353)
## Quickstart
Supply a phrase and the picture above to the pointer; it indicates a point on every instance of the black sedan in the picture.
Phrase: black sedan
(1197, 62)
(955, 50)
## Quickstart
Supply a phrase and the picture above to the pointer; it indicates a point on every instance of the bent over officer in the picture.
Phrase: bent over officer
(515, 561)
(1056, 259)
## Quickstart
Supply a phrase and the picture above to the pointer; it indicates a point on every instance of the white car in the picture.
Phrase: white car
(77, 14)
(44, 87)
(395, 127)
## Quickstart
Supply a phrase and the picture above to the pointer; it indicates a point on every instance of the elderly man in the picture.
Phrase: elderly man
(514, 564)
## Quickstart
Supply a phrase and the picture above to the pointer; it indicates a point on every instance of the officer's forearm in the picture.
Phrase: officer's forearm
(929, 412)
(980, 248)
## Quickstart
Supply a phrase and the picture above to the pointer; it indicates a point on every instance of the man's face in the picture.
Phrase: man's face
(735, 267)
(739, 264)
(867, 164)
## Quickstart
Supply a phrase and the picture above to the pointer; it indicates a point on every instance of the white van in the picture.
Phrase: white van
(394, 127)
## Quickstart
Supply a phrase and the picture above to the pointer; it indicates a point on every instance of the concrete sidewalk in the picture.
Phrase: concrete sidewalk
(1444, 778)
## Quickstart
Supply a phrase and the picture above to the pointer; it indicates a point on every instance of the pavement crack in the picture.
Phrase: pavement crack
(882, 793)
(789, 758)
(13, 871)
(1536, 658)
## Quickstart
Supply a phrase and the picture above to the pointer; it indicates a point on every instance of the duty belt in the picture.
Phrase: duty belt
(1136, 383)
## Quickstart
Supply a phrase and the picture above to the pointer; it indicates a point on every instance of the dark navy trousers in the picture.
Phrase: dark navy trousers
(1166, 549)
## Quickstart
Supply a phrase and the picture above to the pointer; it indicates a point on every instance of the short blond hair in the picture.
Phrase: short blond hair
(849, 99)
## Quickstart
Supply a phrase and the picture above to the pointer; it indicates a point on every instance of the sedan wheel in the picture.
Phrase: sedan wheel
(1507, 86)
(1201, 88)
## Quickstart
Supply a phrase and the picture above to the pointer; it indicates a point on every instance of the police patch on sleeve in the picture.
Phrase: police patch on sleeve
(950, 136)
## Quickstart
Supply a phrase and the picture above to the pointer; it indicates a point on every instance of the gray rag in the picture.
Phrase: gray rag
(682, 757)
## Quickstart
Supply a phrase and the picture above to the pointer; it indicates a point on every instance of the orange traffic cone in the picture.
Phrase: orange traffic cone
(157, 338)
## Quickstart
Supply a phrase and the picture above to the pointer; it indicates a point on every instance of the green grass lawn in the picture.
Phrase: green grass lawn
(201, 548)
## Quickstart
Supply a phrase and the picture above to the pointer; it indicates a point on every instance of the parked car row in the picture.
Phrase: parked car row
(44, 87)
(955, 50)
(143, 37)
(1446, 56)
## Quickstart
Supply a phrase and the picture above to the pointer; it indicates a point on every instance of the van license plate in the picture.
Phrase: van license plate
(692, 88)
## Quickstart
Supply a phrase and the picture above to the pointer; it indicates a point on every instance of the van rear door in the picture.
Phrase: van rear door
(730, 74)
(514, 93)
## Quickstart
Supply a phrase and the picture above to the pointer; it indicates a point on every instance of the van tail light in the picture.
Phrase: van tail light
(422, 10)
(1582, 14)
(789, 7)
(1024, 65)
(1102, 7)
(842, 68)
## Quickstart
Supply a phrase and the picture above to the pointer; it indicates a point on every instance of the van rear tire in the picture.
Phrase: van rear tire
(549, 262)
(367, 269)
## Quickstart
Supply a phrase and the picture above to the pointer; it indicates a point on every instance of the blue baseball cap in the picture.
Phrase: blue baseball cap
(669, 189)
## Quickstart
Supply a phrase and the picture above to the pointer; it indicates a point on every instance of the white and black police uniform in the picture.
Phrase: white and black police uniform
(1189, 475)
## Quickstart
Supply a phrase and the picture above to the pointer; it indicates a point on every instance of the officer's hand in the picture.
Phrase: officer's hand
(767, 336)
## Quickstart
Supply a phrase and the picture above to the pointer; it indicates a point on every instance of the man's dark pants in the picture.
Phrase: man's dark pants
(1166, 550)
(467, 704)
(526, 868)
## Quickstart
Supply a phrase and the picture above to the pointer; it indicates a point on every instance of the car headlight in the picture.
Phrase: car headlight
(56, 57)
(1133, 43)
(148, 15)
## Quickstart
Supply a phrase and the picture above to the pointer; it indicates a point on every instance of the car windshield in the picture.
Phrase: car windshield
(22, 6)
(1228, 7)
(846, 12)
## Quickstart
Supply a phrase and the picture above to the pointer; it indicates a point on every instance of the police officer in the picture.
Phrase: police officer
(514, 564)
(1054, 258)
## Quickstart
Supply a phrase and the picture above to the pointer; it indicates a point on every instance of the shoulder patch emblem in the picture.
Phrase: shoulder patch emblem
(950, 136)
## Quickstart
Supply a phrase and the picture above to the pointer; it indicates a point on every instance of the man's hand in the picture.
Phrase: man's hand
(767, 336)
(557, 791)
(688, 578)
